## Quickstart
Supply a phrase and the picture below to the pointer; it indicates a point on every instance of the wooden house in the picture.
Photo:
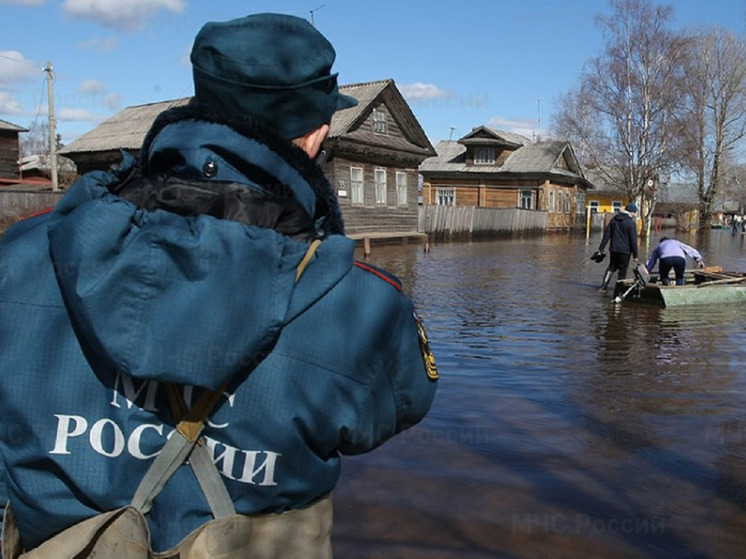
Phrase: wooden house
(100, 148)
(376, 149)
(9, 152)
(496, 169)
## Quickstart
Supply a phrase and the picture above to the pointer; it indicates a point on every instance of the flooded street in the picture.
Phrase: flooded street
(565, 426)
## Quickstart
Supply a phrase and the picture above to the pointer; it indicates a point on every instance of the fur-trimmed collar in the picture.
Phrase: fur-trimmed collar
(327, 205)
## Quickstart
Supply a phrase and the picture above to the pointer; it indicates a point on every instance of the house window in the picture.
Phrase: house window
(616, 206)
(527, 200)
(594, 205)
(445, 197)
(401, 188)
(551, 201)
(484, 155)
(568, 203)
(356, 186)
(380, 175)
(379, 122)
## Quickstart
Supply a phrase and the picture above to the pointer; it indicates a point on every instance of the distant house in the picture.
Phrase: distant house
(608, 197)
(9, 152)
(376, 148)
(677, 206)
(100, 148)
(496, 169)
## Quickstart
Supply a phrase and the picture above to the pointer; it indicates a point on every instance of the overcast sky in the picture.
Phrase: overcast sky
(459, 64)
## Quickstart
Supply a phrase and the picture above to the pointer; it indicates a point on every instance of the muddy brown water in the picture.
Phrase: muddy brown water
(565, 426)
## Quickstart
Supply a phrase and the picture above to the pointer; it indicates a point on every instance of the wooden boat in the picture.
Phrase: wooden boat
(702, 287)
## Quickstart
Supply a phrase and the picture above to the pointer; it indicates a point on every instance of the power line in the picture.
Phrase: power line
(315, 10)
(23, 61)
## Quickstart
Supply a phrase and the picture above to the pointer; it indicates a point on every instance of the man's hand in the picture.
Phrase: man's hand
(701, 264)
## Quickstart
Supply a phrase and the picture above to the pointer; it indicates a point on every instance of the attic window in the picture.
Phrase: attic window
(379, 122)
(484, 155)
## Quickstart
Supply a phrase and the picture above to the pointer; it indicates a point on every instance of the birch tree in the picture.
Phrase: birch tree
(715, 116)
(621, 114)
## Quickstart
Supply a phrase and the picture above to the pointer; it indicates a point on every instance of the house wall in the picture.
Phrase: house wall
(371, 216)
(478, 195)
(560, 213)
(9, 155)
(501, 156)
(563, 216)
(605, 201)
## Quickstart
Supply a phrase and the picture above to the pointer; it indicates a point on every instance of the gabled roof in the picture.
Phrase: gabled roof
(128, 128)
(545, 157)
(677, 193)
(365, 93)
(125, 130)
(370, 95)
(482, 135)
(531, 158)
(5, 125)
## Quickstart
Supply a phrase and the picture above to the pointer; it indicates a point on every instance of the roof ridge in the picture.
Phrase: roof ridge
(373, 82)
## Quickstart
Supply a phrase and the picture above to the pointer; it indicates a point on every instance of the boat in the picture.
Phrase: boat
(709, 286)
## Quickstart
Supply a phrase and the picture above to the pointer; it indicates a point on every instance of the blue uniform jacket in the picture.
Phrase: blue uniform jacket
(102, 302)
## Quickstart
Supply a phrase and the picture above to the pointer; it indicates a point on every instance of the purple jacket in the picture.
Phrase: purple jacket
(672, 247)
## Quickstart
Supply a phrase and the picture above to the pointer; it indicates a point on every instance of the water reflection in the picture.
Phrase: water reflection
(565, 425)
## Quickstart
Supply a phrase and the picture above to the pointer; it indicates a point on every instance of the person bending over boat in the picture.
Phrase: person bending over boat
(621, 235)
(672, 256)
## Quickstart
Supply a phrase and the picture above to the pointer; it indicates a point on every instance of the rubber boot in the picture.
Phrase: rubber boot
(607, 279)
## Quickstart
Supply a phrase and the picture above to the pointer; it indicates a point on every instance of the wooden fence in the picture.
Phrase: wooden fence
(17, 204)
(468, 221)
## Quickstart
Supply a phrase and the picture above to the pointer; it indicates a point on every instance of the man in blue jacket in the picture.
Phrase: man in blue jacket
(215, 270)
(621, 235)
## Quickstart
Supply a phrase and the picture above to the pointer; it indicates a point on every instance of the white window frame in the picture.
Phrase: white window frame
(484, 155)
(568, 202)
(381, 187)
(526, 199)
(357, 186)
(594, 205)
(616, 206)
(551, 201)
(445, 196)
(401, 188)
(379, 126)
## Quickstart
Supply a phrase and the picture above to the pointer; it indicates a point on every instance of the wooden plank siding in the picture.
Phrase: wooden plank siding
(9, 155)
(371, 216)
(502, 198)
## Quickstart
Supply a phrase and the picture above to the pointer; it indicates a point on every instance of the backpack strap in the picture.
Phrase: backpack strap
(307, 258)
(186, 443)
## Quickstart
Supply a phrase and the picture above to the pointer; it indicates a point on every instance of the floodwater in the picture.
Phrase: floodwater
(565, 426)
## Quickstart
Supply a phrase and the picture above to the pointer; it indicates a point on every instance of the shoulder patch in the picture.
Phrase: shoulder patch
(427, 353)
(385, 276)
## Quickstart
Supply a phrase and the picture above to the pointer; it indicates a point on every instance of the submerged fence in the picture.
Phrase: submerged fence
(472, 221)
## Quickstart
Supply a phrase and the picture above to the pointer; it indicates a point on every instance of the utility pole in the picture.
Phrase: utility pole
(52, 128)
